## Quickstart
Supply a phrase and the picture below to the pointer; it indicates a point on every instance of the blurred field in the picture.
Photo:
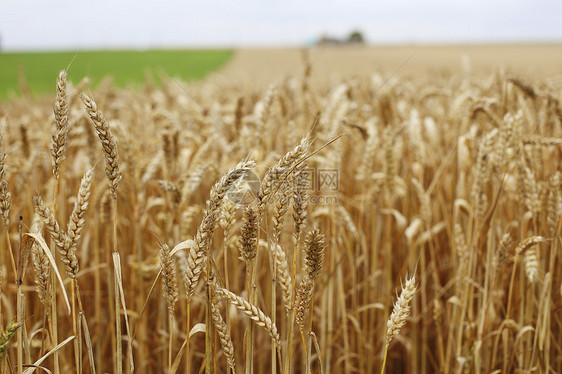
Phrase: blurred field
(126, 67)
(264, 65)
(261, 66)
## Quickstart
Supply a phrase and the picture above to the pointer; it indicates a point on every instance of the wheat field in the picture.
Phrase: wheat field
(357, 224)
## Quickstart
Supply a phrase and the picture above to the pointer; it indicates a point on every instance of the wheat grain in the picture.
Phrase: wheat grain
(314, 253)
(108, 142)
(284, 276)
(460, 242)
(528, 243)
(77, 219)
(5, 194)
(280, 209)
(248, 235)
(172, 189)
(252, 311)
(228, 216)
(482, 174)
(203, 237)
(531, 265)
(425, 201)
(60, 238)
(553, 203)
(152, 168)
(302, 302)
(224, 336)
(300, 201)
(280, 170)
(169, 283)
(42, 277)
(58, 148)
(401, 310)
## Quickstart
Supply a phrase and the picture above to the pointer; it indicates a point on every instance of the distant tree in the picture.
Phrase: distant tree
(356, 36)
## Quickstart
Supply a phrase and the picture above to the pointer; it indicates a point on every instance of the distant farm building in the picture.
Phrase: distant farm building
(354, 38)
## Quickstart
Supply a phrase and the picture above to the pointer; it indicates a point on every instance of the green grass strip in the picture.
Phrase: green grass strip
(126, 67)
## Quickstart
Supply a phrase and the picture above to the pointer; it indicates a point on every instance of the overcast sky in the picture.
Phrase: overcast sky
(66, 24)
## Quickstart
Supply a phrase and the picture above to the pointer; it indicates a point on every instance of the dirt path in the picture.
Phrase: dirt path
(262, 66)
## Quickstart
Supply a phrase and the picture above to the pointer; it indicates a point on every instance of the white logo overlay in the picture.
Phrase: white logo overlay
(246, 189)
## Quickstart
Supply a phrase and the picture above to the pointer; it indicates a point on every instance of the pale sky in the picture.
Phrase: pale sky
(71, 25)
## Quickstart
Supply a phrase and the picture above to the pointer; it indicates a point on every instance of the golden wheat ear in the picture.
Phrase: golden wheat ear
(223, 332)
(401, 310)
(250, 310)
(58, 148)
(108, 142)
(169, 282)
(249, 235)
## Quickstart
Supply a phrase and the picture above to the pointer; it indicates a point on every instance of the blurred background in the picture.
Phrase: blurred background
(262, 39)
